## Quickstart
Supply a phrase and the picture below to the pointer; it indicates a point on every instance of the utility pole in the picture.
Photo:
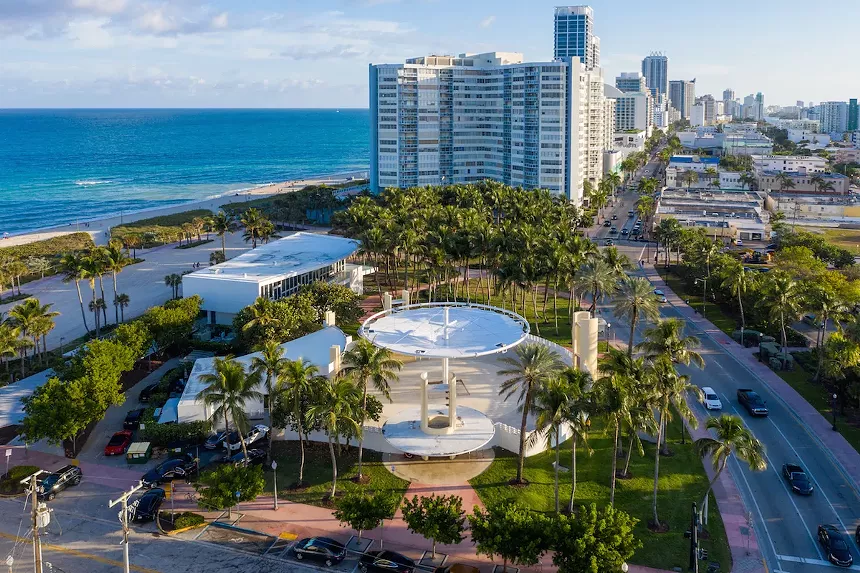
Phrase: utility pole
(41, 518)
(123, 519)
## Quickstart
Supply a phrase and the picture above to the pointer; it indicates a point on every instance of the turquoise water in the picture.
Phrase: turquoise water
(61, 166)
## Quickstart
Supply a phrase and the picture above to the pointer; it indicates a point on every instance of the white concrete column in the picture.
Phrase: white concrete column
(405, 296)
(424, 418)
(577, 317)
(452, 400)
(386, 301)
(329, 319)
(587, 344)
(445, 371)
(334, 358)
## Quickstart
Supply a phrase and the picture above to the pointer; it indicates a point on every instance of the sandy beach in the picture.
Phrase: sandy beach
(98, 228)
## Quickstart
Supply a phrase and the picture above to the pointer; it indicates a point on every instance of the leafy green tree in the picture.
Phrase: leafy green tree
(172, 323)
(56, 411)
(336, 297)
(365, 512)
(634, 301)
(218, 489)
(732, 437)
(367, 363)
(280, 321)
(134, 336)
(595, 541)
(513, 532)
(438, 518)
(532, 367)
(228, 390)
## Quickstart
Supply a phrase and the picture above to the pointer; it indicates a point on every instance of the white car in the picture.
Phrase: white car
(712, 401)
(257, 433)
(660, 295)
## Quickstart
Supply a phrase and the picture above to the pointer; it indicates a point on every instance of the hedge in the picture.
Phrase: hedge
(53, 247)
(187, 519)
(164, 435)
(11, 482)
(173, 220)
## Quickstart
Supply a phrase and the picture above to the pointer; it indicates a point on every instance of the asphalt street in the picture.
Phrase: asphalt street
(786, 524)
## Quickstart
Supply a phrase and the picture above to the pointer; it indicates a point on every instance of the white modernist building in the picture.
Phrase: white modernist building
(273, 270)
(834, 117)
(789, 163)
(634, 110)
(439, 120)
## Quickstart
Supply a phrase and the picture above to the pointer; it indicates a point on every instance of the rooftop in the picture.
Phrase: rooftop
(775, 173)
(694, 159)
(294, 255)
(445, 330)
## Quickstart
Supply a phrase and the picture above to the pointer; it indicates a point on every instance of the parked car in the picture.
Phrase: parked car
(739, 243)
(215, 440)
(170, 470)
(712, 401)
(133, 418)
(625, 232)
(146, 506)
(254, 457)
(322, 549)
(49, 487)
(258, 432)
(118, 443)
(835, 545)
(145, 394)
(797, 479)
(630, 214)
(383, 561)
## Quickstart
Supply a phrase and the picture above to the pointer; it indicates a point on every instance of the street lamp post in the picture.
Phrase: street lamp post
(275, 480)
(704, 282)
(834, 411)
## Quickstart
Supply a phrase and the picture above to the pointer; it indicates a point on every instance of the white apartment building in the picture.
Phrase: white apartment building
(697, 115)
(815, 140)
(834, 117)
(631, 82)
(634, 110)
(442, 119)
(789, 163)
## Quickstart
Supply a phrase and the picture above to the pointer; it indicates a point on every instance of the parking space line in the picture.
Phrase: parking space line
(808, 561)
(81, 554)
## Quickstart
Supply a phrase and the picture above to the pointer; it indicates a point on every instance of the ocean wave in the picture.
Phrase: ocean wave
(90, 182)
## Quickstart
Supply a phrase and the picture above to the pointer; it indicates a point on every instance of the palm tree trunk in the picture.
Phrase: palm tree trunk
(115, 309)
(614, 466)
(629, 453)
(555, 305)
(534, 305)
(572, 473)
(224, 244)
(102, 289)
(743, 319)
(657, 470)
(522, 459)
(122, 313)
(557, 451)
(716, 477)
(333, 466)
(81, 301)
(361, 438)
(632, 331)
(241, 439)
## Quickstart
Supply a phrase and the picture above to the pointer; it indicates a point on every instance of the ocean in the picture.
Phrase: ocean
(62, 166)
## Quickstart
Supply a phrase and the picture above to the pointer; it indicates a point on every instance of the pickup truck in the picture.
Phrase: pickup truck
(752, 402)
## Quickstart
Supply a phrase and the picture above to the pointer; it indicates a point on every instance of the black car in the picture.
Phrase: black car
(614, 217)
(385, 561)
(133, 418)
(146, 393)
(322, 549)
(215, 440)
(146, 506)
(797, 479)
(254, 457)
(607, 224)
(835, 545)
(170, 470)
(64, 477)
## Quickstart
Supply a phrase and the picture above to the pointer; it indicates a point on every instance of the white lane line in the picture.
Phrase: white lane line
(821, 562)
(781, 482)
(817, 485)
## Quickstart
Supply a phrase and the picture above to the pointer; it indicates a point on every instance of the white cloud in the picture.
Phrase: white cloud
(220, 21)
(488, 21)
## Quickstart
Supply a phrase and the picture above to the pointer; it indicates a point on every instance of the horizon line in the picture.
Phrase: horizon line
(179, 108)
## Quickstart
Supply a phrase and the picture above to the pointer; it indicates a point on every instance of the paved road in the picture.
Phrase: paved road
(785, 523)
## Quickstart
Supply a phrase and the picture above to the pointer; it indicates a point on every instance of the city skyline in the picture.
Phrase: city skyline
(122, 53)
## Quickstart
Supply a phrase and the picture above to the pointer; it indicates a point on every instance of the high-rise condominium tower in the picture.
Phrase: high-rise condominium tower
(444, 119)
(574, 35)
(682, 95)
(853, 119)
(655, 68)
(630, 82)
(834, 117)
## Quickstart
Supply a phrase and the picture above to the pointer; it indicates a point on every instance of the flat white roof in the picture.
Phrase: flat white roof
(474, 430)
(294, 255)
(445, 330)
(11, 407)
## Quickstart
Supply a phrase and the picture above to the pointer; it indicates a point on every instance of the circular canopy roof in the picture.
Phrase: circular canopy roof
(474, 431)
(445, 330)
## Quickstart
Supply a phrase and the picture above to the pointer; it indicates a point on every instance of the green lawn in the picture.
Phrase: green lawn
(682, 481)
(713, 312)
(819, 398)
(845, 238)
(318, 473)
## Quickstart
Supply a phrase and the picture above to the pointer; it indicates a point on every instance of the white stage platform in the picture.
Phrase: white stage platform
(473, 431)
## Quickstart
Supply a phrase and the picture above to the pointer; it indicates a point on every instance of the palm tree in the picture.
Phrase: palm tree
(732, 437)
(297, 384)
(670, 390)
(262, 315)
(737, 281)
(667, 338)
(254, 222)
(173, 281)
(96, 307)
(36, 318)
(115, 259)
(597, 277)
(337, 404)
(122, 301)
(783, 300)
(9, 343)
(533, 366)
(552, 409)
(365, 363)
(635, 300)
(578, 384)
(614, 397)
(16, 269)
(689, 177)
(746, 180)
(133, 242)
(97, 267)
(228, 390)
(221, 224)
(72, 268)
(270, 367)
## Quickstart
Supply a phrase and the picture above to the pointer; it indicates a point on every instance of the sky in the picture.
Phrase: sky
(314, 53)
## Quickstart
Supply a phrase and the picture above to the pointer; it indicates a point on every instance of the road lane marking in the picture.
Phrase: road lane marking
(779, 477)
(821, 562)
(76, 553)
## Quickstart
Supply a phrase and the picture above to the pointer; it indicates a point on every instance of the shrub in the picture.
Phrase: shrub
(170, 377)
(11, 484)
(167, 434)
(188, 519)
(807, 360)
(53, 247)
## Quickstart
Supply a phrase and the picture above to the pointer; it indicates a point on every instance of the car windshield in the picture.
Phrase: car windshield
(168, 465)
(798, 476)
(116, 440)
(711, 397)
(50, 480)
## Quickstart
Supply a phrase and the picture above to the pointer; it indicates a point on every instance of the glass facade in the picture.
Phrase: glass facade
(285, 287)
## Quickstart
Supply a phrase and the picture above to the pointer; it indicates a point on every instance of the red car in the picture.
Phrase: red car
(118, 443)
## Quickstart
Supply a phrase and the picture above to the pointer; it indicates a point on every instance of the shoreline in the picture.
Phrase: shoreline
(98, 227)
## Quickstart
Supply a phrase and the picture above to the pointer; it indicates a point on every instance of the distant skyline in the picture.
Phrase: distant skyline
(293, 53)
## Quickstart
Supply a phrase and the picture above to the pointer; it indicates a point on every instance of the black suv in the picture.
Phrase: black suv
(170, 470)
(53, 484)
(322, 549)
(133, 418)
